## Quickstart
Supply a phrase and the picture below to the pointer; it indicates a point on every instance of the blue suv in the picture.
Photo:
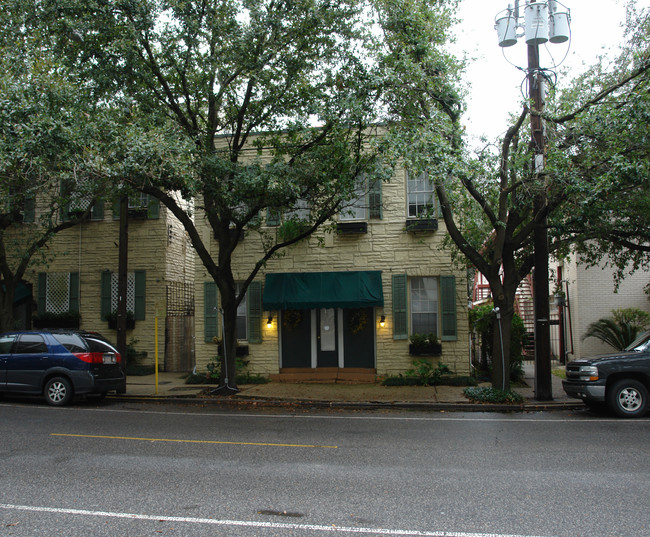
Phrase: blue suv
(59, 365)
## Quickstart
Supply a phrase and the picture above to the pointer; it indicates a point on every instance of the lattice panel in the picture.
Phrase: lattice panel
(130, 291)
(57, 298)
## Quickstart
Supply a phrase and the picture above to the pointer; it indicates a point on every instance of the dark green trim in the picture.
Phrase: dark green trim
(140, 295)
(105, 301)
(374, 199)
(400, 306)
(307, 290)
(448, 307)
(153, 210)
(254, 303)
(210, 312)
(74, 293)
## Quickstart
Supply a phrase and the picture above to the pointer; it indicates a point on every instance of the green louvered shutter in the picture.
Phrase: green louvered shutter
(153, 209)
(140, 295)
(105, 304)
(210, 313)
(74, 293)
(42, 292)
(374, 199)
(29, 210)
(116, 208)
(254, 302)
(448, 303)
(400, 311)
(97, 212)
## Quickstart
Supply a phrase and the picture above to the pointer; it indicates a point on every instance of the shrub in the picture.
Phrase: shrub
(424, 373)
(481, 320)
(487, 394)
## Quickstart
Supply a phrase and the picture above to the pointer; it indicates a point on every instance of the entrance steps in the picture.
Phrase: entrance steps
(326, 375)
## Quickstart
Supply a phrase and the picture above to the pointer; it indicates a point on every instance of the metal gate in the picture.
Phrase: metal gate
(179, 327)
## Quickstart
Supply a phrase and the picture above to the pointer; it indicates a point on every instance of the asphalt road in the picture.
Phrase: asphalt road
(149, 470)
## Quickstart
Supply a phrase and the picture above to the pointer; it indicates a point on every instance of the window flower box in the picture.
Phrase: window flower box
(350, 228)
(424, 345)
(422, 225)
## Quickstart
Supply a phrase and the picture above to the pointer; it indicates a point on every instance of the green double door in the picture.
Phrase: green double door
(328, 337)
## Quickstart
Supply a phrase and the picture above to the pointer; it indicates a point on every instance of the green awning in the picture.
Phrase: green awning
(307, 290)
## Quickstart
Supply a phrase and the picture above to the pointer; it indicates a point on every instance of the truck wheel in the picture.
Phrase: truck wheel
(628, 398)
(58, 391)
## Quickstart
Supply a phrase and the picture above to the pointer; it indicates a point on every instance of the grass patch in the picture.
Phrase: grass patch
(559, 372)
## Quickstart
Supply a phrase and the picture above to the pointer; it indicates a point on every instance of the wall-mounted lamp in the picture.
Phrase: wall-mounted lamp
(269, 322)
(382, 321)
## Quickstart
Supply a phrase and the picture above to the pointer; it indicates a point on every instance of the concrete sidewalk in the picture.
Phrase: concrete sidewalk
(171, 386)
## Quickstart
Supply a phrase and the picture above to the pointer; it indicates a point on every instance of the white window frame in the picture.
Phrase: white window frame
(358, 207)
(421, 304)
(420, 196)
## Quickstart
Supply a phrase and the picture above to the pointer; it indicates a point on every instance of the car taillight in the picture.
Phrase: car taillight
(99, 357)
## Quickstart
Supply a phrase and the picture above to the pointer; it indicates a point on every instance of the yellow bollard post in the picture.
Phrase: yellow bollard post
(156, 351)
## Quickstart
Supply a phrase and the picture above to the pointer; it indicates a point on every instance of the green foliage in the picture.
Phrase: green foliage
(621, 329)
(212, 374)
(481, 320)
(487, 394)
(424, 344)
(424, 373)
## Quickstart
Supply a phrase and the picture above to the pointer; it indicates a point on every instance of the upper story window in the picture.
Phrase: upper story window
(77, 200)
(420, 196)
(366, 201)
(299, 212)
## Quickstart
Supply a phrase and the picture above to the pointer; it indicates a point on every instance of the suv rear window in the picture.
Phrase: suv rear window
(97, 345)
(72, 342)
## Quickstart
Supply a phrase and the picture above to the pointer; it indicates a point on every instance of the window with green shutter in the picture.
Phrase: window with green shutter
(448, 306)
(254, 301)
(374, 199)
(400, 305)
(136, 294)
(210, 311)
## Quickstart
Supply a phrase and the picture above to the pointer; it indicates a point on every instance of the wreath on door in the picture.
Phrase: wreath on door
(358, 321)
(291, 319)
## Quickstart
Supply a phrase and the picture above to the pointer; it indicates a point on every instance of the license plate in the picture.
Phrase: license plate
(109, 358)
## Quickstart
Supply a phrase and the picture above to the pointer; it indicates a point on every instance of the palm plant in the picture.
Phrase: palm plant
(621, 329)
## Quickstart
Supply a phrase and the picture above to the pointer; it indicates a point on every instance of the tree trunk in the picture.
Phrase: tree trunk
(502, 330)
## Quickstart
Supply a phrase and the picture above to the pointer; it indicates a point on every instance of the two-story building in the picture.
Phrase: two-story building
(343, 304)
(75, 284)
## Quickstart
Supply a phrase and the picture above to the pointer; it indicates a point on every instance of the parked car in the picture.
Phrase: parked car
(59, 364)
(620, 380)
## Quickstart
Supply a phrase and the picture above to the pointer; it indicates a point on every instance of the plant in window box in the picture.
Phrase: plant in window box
(112, 320)
(68, 319)
(424, 345)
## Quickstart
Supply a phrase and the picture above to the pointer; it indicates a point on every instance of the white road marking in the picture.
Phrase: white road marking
(249, 523)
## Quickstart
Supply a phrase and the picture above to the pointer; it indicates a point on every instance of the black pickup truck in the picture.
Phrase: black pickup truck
(620, 380)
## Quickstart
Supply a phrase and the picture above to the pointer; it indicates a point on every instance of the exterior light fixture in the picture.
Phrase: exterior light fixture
(382, 321)
(269, 322)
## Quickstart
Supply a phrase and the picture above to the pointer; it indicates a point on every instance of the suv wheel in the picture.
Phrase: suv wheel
(58, 391)
(628, 398)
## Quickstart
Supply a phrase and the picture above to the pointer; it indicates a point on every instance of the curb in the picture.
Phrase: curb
(242, 401)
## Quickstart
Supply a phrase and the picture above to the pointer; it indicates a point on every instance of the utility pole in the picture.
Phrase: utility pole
(543, 21)
(543, 384)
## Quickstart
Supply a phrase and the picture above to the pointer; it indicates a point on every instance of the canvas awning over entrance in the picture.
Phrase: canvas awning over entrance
(307, 290)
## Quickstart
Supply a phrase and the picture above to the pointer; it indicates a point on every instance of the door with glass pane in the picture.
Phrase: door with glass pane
(327, 344)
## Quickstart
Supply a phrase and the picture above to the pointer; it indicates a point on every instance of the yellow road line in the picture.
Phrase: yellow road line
(191, 441)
